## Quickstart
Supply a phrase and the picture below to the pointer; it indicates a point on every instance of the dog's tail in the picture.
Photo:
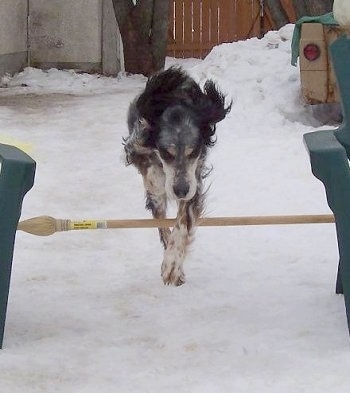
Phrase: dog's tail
(212, 109)
(215, 109)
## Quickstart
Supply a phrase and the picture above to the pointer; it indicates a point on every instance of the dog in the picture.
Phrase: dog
(171, 126)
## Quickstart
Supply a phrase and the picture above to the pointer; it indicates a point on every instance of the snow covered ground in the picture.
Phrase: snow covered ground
(88, 311)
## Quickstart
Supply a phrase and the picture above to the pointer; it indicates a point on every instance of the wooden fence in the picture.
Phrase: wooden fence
(196, 26)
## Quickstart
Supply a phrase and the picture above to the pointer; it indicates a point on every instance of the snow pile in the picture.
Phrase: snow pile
(33, 80)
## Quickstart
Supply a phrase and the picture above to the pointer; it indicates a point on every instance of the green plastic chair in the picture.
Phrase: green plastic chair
(17, 171)
(329, 152)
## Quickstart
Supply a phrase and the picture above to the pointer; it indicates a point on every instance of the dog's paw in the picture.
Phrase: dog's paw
(172, 273)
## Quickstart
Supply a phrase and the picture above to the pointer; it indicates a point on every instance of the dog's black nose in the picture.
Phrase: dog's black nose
(181, 189)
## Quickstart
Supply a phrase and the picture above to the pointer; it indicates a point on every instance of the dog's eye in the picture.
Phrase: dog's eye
(188, 151)
(167, 155)
(171, 150)
(192, 153)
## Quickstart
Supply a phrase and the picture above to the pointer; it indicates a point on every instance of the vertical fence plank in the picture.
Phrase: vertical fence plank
(196, 32)
(214, 22)
(188, 41)
(205, 27)
(248, 22)
(224, 21)
(179, 27)
(255, 19)
(244, 17)
(171, 31)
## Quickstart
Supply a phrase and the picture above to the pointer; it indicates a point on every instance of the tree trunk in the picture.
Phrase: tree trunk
(300, 8)
(143, 28)
(136, 42)
(277, 12)
(312, 7)
(159, 38)
(319, 7)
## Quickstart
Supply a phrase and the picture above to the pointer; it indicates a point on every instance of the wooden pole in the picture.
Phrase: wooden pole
(46, 225)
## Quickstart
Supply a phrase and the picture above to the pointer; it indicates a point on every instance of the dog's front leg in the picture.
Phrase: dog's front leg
(156, 199)
(180, 238)
(157, 204)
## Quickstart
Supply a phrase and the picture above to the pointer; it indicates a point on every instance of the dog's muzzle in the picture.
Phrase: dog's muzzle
(181, 189)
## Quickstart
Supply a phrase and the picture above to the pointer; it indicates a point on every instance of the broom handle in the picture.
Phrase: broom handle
(46, 225)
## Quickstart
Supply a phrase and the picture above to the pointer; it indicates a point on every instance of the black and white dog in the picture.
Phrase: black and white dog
(171, 125)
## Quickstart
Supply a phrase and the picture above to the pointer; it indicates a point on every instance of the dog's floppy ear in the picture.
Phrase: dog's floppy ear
(145, 132)
(212, 110)
(140, 130)
(139, 139)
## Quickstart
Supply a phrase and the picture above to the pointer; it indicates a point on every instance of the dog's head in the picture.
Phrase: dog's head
(180, 127)
(179, 146)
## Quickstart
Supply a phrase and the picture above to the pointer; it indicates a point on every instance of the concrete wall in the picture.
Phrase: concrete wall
(71, 34)
(65, 33)
(13, 35)
(74, 34)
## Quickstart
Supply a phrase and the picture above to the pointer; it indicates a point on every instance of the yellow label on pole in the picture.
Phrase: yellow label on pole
(87, 224)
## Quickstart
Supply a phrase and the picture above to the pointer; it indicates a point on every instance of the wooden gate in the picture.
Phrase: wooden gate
(196, 26)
